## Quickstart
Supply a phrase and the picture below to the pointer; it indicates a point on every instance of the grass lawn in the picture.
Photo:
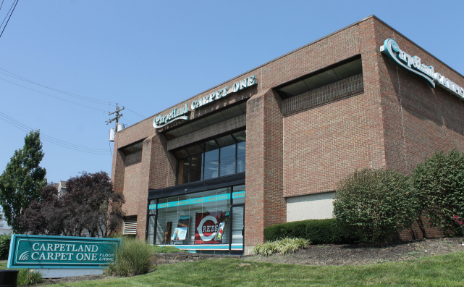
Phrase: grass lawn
(165, 249)
(443, 270)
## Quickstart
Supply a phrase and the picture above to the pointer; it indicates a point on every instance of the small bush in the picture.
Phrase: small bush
(4, 245)
(439, 183)
(132, 258)
(283, 246)
(374, 204)
(26, 278)
(317, 231)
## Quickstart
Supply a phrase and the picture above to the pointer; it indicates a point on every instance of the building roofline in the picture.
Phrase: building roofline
(402, 35)
(297, 49)
(258, 67)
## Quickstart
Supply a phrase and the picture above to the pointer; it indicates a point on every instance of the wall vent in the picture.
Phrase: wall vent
(130, 225)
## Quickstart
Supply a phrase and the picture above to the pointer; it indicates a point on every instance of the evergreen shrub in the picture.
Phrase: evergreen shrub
(317, 231)
(375, 204)
(439, 183)
(133, 257)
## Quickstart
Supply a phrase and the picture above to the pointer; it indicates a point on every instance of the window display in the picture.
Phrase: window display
(200, 221)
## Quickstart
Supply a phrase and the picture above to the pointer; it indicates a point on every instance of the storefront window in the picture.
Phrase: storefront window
(200, 222)
(211, 159)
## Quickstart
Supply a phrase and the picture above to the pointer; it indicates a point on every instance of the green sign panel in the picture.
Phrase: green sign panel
(39, 251)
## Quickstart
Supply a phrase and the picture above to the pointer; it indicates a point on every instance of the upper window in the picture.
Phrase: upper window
(217, 157)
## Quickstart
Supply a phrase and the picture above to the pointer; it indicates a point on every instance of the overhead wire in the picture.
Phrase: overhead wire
(15, 3)
(97, 101)
(53, 140)
(52, 96)
(1, 5)
(7, 14)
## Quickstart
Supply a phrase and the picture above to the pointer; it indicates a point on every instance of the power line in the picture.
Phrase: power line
(96, 101)
(1, 5)
(13, 75)
(6, 15)
(15, 3)
(53, 140)
(52, 96)
(136, 113)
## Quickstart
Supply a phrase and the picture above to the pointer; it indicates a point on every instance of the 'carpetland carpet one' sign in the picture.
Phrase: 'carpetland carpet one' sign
(414, 64)
(37, 251)
(180, 113)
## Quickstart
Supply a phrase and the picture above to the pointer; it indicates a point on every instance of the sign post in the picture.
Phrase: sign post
(62, 256)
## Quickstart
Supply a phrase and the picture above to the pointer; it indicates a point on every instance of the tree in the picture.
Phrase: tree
(22, 180)
(89, 205)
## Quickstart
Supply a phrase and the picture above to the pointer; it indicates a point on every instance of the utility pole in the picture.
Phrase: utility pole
(116, 118)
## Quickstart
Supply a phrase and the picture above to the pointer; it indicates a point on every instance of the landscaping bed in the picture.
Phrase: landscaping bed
(361, 254)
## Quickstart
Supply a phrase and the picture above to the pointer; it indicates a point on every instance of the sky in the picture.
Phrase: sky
(64, 64)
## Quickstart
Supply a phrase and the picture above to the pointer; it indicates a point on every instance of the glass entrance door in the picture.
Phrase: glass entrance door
(238, 229)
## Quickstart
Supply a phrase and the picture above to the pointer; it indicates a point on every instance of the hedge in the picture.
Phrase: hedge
(318, 231)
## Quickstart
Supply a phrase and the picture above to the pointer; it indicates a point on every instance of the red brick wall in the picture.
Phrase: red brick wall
(133, 167)
(326, 143)
(418, 120)
(264, 202)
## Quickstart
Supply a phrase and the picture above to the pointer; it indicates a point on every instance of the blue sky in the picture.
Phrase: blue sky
(150, 55)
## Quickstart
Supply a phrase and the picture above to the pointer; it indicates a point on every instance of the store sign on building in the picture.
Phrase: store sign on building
(181, 112)
(415, 65)
(38, 251)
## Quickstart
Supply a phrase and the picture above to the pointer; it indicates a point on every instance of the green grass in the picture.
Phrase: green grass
(443, 270)
(166, 249)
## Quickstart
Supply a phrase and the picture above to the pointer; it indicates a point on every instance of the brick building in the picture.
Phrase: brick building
(362, 97)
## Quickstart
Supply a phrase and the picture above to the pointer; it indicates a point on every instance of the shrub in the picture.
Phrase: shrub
(374, 204)
(27, 278)
(4, 245)
(317, 231)
(439, 183)
(133, 257)
(283, 246)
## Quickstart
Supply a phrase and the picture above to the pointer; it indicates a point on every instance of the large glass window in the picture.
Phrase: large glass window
(207, 221)
(218, 157)
(195, 219)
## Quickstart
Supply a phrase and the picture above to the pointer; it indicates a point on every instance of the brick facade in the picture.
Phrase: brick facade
(395, 122)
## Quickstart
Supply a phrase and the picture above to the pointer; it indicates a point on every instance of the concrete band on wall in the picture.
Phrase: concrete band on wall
(312, 206)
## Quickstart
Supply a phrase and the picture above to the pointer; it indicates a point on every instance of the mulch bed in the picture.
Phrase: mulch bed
(359, 254)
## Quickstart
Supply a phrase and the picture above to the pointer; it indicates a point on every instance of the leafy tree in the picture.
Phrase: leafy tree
(22, 180)
(439, 182)
(374, 204)
(43, 216)
(89, 205)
